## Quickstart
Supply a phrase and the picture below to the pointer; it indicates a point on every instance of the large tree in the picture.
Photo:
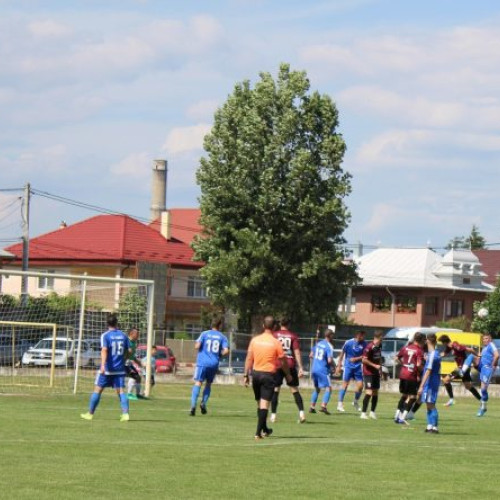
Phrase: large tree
(490, 323)
(272, 201)
(475, 241)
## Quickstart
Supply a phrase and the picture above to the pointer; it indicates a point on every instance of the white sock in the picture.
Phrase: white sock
(396, 416)
(130, 385)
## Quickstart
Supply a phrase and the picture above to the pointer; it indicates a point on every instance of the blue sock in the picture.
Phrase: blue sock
(429, 418)
(94, 401)
(206, 394)
(357, 395)
(436, 417)
(314, 397)
(326, 397)
(194, 395)
(484, 395)
(341, 395)
(124, 402)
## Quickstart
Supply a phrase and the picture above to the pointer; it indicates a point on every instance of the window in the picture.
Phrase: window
(381, 303)
(192, 328)
(46, 283)
(454, 308)
(406, 304)
(431, 306)
(344, 308)
(466, 281)
(196, 287)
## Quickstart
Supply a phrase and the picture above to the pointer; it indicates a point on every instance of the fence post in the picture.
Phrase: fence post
(81, 324)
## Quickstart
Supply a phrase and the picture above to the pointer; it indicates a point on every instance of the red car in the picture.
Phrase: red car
(165, 359)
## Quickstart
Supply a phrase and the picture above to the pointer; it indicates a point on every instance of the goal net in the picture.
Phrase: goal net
(50, 336)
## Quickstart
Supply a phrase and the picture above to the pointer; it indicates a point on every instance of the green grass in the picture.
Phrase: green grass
(47, 451)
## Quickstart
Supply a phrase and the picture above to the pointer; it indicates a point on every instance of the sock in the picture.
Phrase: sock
(298, 401)
(408, 406)
(374, 402)
(274, 402)
(123, 402)
(194, 395)
(314, 397)
(474, 392)
(435, 417)
(130, 385)
(138, 388)
(429, 419)
(484, 395)
(416, 406)
(341, 395)
(357, 395)
(206, 394)
(397, 414)
(326, 397)
(94, 401)
(449, 389)
(366, 400)
(401, 403)
(261, 422)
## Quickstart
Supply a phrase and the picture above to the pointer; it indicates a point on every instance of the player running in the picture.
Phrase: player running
(372, 364)
(411, 359)
(211, 345)
(352, 354)
(322, 362)
(291, 348)
(115, 348)
(487, 365)
(429, 387)
(460, 352)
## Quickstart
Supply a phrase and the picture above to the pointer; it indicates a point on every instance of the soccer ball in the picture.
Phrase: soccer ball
(482, 313)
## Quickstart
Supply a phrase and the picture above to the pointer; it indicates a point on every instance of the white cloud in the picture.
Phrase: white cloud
(186, 139)
(135, 165)
(49, 28)
(202, 110)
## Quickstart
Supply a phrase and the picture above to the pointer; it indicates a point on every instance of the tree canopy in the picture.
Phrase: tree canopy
(475, 241)
(491, 323)
(272, 201)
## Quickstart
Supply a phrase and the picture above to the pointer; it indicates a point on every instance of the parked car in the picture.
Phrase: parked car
(12, 348)
(237, 365)
(95, 354)
(65, 353)
(165, 359)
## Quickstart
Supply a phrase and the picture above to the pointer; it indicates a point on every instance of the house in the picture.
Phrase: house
(415, 287)
(120, 246)
(490, 261)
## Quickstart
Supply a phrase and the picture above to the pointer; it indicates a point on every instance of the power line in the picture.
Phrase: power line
(6, 190)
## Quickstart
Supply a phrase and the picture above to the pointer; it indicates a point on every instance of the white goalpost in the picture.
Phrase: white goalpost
(50, 338)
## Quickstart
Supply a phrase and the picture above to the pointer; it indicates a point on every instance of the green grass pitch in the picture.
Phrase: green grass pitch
(48, 452)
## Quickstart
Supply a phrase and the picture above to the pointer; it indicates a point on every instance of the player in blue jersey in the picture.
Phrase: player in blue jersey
(322, 359)
(211, 345)
(115, 348)
(487, 365)
(352, 355)
(429, 386)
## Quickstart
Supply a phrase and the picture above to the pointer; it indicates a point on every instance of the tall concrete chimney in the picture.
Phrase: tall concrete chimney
(159, 189)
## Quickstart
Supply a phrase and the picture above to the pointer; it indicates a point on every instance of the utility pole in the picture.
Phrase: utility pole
(25, 213)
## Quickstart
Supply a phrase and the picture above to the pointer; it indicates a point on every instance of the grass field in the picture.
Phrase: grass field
(48, 452)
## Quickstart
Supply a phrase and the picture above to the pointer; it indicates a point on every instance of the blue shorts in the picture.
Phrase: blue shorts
(353, 374)
(430, 395)
(205, 373)
(114, 381)
(321, 380)
(485, 375)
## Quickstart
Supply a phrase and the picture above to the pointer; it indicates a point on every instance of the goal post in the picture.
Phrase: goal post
(74, 308)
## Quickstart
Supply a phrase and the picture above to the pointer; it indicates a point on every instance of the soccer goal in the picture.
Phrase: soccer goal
(50, 337)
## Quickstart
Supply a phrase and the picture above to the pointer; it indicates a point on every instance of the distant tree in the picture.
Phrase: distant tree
(490, 324)
(132, 311)
(475, 241)
(272, 202)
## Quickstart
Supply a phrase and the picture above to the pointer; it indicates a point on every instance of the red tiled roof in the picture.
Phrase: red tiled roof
(490, 260)
(184, 224)
(107, 238)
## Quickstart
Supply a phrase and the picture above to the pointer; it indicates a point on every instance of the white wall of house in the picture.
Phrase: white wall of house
(37, 287)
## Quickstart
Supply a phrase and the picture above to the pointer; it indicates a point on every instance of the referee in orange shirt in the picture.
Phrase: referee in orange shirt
(263, 354)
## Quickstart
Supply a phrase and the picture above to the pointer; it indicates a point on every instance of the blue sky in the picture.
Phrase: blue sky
(91, 92)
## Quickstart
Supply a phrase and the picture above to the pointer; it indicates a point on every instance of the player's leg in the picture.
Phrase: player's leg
(199, 378)
(325, 383)
(402, 400)
(119, 385)
(346, 377)
(467, 381)
(279, 375)
(358, 376)
(485, 382)
(210, 375)
(375, 388)
(366, 400)
(294, 389)
(449, 390)
(315, 394)
(101, 381)
(266, 395)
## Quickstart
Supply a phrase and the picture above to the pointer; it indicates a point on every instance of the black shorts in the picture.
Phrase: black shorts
(465, 376)
(131, 372)
(263, 385)
(279, 376)
(409, 387)
(371, 381)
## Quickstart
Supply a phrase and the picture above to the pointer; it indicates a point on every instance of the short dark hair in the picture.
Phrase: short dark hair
(432, 338)
(418, 337)
(217, 322)
(359, 332)
(112, 321)
(285, 321)
(269, 322)
(378, 334)
(444, 339)
(329, 333)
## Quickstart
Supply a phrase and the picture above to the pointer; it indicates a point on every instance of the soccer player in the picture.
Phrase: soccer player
(263, 354)
(115, 348)
(372, 365)
(351, 355)
(211, 345)
(291, 348)
(487, 365)
(134, 377)
(460, 352)
(411, 359)
(429, 386)
(322, 359)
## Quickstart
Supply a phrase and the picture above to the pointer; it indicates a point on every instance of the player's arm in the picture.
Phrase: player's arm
(298, 358)
(367, 362)
(495, 358)
(427, 374)
(248, 366)
(225, 351)
(339, 364)
(104, 357)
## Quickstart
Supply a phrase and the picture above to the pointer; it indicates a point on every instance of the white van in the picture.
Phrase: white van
(394, 340)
